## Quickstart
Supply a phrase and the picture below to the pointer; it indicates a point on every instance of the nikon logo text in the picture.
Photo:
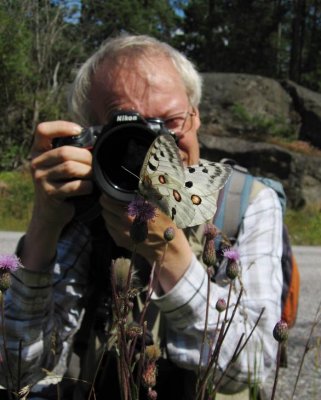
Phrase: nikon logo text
(126, 118)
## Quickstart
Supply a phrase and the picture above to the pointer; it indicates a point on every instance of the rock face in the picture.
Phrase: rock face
(237, 106)
(308, 105)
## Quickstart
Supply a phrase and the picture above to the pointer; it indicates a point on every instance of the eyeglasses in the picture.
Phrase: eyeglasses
(180, 123)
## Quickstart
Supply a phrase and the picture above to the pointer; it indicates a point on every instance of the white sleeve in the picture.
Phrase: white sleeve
(260, 246)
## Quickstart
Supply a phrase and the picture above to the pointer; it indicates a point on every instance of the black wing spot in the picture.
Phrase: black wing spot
(151, 166)
(191, 170)
(189, 184)
(205, 170)
(173, 213)
(162, 153)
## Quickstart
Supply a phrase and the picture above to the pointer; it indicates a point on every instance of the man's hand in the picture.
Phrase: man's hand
(172, 265)
(58, 175)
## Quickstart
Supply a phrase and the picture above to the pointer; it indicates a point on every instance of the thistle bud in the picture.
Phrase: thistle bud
(281, 331)
(232, 270)
(169, 234)
(221, 305)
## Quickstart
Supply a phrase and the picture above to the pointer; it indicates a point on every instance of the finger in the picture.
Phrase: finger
(63, 190)
(69, 170)
(46, 131)
(60, 155)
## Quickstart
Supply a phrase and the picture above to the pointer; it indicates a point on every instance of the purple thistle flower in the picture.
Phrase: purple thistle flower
(9, 262)
(141, 210)
(231, 254)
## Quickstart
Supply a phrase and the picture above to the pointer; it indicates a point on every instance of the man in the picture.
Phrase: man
(45, 307)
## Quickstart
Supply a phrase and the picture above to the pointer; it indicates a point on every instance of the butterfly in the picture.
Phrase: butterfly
(188, 195)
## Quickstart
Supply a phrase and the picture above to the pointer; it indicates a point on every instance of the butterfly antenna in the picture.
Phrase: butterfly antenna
(130, 172)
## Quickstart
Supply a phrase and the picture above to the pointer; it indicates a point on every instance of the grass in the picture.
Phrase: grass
(304, 226)
(16, 193)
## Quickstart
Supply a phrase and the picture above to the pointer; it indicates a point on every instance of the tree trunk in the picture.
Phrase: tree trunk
(297, 40)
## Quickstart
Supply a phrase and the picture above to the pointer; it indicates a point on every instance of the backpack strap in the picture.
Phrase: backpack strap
(233, 202)
(239, 191)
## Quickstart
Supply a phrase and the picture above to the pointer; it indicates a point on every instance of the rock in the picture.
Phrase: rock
(299, 174)
(238, 107)
(308, 105)
(241, 104)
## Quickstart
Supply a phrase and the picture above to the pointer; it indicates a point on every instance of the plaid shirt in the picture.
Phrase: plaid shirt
(44, 309)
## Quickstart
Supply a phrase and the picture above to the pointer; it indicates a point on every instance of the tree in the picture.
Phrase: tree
(234, 36)
(297, 40)
(100, 19)
(38, 52)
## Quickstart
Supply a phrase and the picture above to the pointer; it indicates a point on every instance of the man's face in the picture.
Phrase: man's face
(154, 89)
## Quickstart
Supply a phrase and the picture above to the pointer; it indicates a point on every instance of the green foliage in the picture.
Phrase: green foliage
(16, 200)
(43, 42)
(261, 125)
(151, 17)
(304, 226)
(233, 36)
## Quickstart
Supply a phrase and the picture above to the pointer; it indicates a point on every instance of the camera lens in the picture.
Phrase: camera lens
(118, 156)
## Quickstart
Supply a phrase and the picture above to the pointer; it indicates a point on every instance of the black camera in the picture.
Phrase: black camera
(119, 149)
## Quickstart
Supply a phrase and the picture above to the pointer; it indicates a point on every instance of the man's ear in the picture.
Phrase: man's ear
(197, 119)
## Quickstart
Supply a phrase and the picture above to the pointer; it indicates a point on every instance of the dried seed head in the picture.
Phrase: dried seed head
(121, 271)
(134, 330)
(149, 375)
(152, 352)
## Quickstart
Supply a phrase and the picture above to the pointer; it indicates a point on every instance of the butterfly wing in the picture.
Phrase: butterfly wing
(162, 180)
(187, 195)
(203, 182)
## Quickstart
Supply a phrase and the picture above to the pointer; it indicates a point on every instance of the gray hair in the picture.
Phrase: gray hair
(131, 44)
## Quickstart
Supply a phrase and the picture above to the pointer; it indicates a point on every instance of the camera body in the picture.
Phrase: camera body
(119, 149)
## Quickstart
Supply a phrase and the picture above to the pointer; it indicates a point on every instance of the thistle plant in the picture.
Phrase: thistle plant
(280, 334)
(137, 368)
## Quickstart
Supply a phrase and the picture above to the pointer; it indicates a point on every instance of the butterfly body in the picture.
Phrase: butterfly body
(187, 195)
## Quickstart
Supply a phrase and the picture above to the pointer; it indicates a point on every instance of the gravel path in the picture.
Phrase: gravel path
(309, 384)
